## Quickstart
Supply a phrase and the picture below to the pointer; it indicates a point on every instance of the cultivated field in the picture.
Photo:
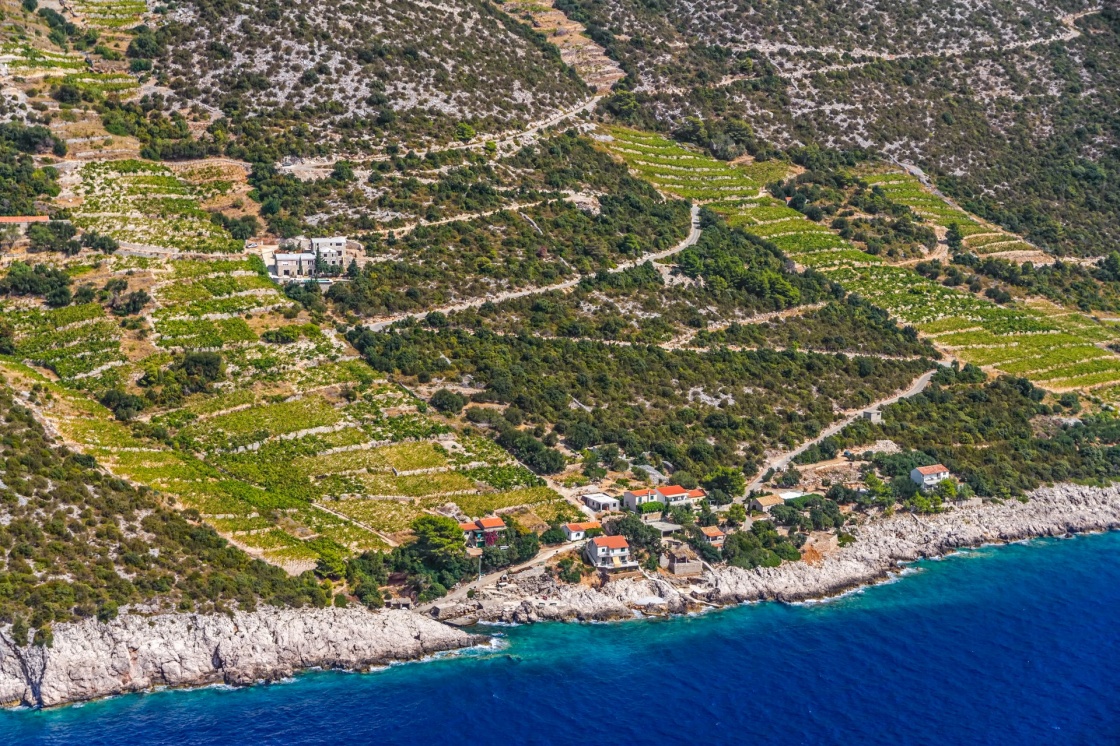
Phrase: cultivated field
(297, 448)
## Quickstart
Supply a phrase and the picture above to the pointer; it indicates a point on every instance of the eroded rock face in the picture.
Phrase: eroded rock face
(134, 653)
(882, 545)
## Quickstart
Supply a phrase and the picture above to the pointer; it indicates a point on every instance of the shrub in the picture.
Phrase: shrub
(448, 401)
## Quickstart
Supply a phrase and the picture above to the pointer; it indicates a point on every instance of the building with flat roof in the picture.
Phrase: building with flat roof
(600, 501)
(301, 264)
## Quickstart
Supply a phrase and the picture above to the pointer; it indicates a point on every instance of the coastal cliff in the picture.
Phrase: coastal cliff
(883, 545)
(135, 653)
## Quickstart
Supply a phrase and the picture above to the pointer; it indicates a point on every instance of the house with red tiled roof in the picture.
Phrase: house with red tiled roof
(634, 499)
(712, 535)
(929, 476)
(610, 553)
(673, 495)
(23, 219)
(580, 531)
(484, 532)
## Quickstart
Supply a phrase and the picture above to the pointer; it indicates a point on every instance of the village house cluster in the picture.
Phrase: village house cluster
(655, 506)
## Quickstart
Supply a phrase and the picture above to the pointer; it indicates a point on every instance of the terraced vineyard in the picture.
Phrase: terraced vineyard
(110, 14)
(807, 243)
(55, 68)
(1056, 348)
(295, 449)
(146, 204)
(980, 238)
(684, 173)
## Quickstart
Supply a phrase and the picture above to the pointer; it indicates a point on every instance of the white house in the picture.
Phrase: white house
(674, 495)
(600, 501)
(632, 499)
(609, 553)
(578, 531)
(929, 476)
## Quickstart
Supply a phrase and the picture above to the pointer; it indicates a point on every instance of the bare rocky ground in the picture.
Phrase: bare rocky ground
(136, 653)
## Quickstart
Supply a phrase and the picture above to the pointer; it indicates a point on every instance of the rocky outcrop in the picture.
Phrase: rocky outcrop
(883, 545)
(133, 653)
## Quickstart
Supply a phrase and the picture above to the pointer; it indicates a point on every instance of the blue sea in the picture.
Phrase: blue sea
(1001, 645)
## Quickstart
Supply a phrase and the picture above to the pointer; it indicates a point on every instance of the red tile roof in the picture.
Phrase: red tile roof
(611, 542)
(468, 526)
(711, 531)
(932, 469)
(585, 526)
(672, 490)
(24, 218)
(640, 493)
(491, 523)
(698, 492)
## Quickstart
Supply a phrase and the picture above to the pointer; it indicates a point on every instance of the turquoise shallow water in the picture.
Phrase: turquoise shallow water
(1007, 645)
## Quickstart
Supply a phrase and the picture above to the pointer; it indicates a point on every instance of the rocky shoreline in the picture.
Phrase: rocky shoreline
(883, 545)
(134, 653)
(137, 653)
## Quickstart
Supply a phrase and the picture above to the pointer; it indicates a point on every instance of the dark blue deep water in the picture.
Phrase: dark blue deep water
(1010, 645)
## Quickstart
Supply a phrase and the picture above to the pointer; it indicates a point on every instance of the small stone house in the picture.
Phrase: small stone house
(300, 264)
(331, 251)
(680, 560)
(765, 502)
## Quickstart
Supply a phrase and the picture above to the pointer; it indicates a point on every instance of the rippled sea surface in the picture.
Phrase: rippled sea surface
(1007, 645)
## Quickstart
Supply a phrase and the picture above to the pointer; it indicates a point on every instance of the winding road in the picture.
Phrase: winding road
(690, 240)
(779, 463)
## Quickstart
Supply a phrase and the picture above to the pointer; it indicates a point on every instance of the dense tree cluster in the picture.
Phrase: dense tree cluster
(856, 211)
(852, 325)
(699, 411)
(50, 282)
(76, 543)
(21, 182)
(988, 433)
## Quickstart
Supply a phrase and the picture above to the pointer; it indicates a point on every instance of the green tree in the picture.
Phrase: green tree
(727, 479)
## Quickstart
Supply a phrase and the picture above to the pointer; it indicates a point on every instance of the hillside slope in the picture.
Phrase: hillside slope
(347, 74)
